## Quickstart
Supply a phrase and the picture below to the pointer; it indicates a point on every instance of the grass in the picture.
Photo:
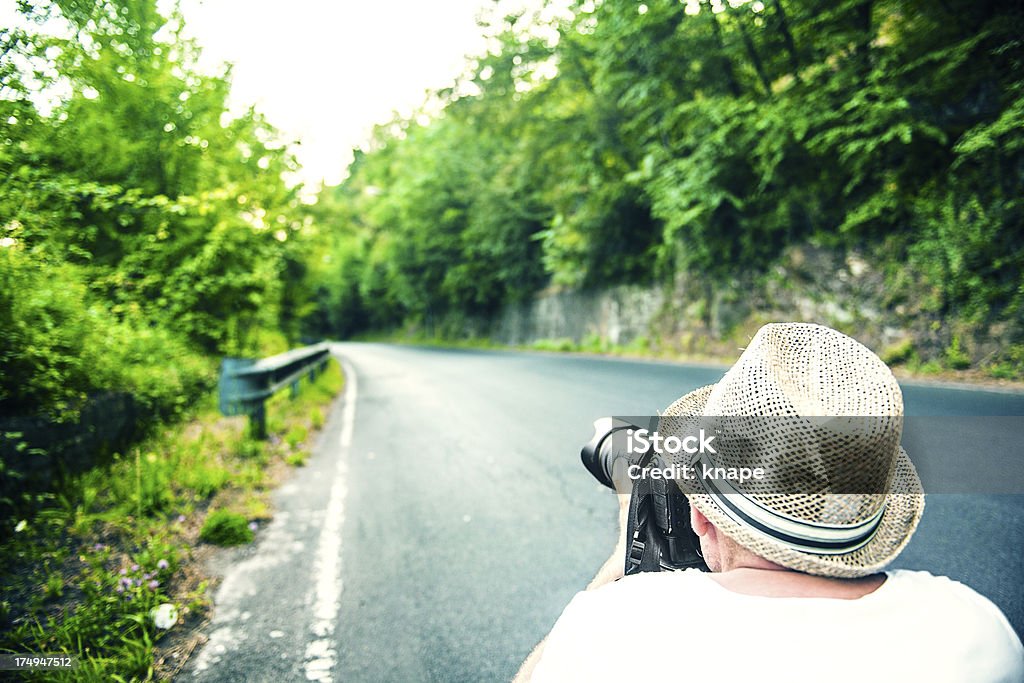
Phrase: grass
(1011, 366)
(956, 357)
(225, 527)
(296, 436)
(85, 573)
(562, 344)
(297, 458)
(953, 364)
(900, 353)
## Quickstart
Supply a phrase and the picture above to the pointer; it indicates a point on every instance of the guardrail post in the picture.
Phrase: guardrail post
(235, 395)
(258, 420)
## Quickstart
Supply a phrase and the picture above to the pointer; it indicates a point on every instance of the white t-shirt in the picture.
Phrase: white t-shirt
(684, 626)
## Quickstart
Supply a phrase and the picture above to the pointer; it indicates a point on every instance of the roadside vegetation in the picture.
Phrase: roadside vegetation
(145, 229)
(109, 567)
(659, 142)
(902, 358)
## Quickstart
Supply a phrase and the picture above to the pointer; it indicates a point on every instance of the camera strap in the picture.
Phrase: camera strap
(643, 552)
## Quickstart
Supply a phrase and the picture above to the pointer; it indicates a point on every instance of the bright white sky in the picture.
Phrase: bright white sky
(326, 71)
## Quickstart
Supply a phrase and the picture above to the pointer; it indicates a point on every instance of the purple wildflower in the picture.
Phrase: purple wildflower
(162, 564)
(253, 526)
(154, 584)
(135, 567)
(123, 571)
(181, 518)
(98, 547)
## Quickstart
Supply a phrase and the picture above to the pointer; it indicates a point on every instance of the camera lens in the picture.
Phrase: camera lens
(607, 455)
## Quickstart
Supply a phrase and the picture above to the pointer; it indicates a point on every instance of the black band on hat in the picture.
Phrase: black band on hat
(810, 537)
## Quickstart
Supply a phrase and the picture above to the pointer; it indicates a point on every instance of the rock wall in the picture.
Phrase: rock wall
(808, 284)
(619, 316)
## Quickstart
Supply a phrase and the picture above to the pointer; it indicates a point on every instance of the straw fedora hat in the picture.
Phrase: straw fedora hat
(822, 416)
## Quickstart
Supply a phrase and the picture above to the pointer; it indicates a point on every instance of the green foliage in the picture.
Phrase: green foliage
(109, 628)
(82, 574)
(205, 479)
(224, 527)
(640, 344)
(563, 344)
(252, 447)
(594, 343)
(692, 140)
(141, 226)
(899, 353)
(59, 344)
(296, 436)
(956, 357)
(297, 458)
(1011, 366)
(44, 330)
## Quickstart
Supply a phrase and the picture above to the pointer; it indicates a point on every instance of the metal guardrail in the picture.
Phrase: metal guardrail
(246, 383)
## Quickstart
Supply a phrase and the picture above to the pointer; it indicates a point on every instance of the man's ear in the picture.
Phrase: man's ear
(698, 521)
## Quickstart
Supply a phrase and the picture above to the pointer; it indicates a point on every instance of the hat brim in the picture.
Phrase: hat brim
(903, 509)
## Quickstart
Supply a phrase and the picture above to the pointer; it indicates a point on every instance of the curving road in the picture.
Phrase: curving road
(445, 519)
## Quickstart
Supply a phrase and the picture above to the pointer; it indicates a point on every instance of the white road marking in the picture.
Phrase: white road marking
(320, 657)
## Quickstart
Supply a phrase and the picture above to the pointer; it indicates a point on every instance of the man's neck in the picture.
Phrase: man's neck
(779, 582)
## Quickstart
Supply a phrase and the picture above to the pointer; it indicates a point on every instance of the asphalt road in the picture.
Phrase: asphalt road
(445, 519)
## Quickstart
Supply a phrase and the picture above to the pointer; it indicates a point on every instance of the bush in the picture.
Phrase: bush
(1011, 365)
(223, 527)
(46, 336)
(957, 358)
(899, 353)
(297, 458)
(296, 436)
(57, 346)
(155, 366)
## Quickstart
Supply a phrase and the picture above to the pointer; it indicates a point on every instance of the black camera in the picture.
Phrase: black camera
(658, 533)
